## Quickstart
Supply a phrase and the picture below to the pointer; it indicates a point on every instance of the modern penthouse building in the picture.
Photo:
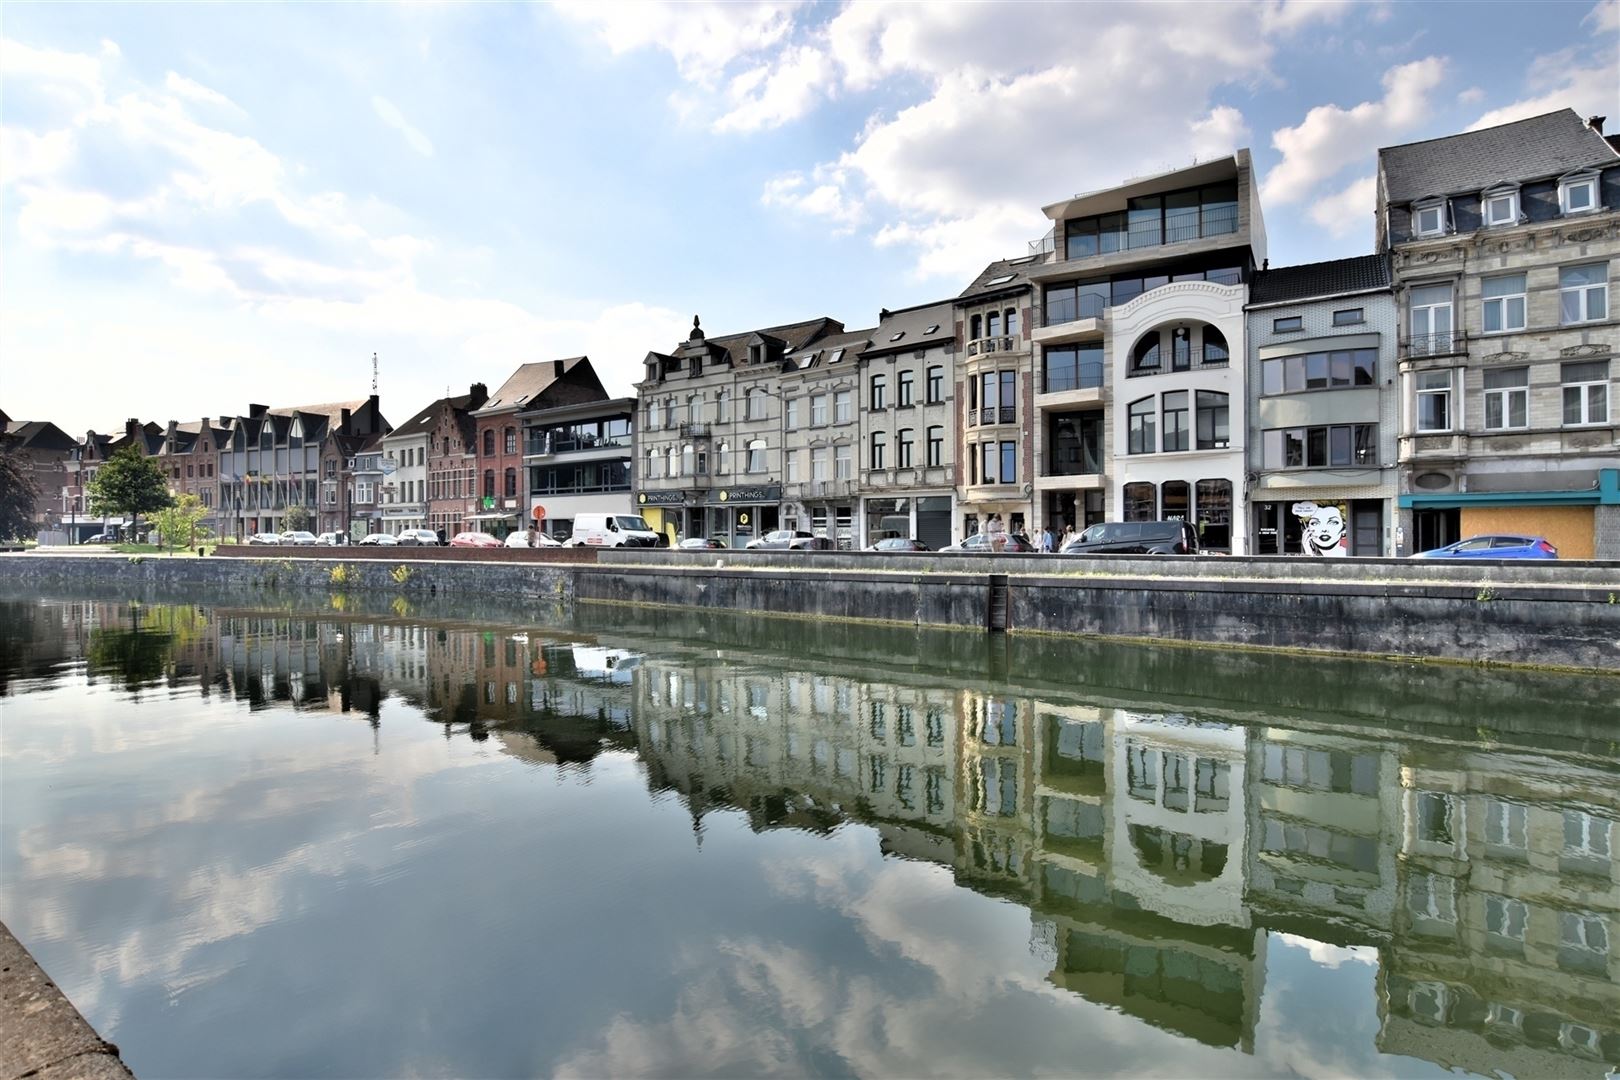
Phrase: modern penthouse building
(713, 426)
(1321, 407)
(1140, 315)
(578, 457)
(1503, 243)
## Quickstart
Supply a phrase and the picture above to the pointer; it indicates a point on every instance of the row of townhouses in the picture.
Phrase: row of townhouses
(1141, 361)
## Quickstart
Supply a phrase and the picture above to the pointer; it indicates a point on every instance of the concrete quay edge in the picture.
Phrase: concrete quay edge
(42, 1036)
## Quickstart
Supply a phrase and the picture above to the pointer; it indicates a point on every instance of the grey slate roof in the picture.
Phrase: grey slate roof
(1017, 270)
(526, 383)
(1309, 280)
(912, 324)
(1532, 149)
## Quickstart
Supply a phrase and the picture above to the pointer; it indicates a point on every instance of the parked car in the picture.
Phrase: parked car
(520, 539)
(379, 540)
(474, 540)
(418, 537)
(701, 543)
(1494, 547)
(791, 540)
(1173, 537)
(614, 530)
(331, 539)
(898, 543)
(102, 538)
(298, 538)
(265, 538)
(981, 544)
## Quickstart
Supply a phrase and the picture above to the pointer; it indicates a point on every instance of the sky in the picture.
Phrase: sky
(203, 206)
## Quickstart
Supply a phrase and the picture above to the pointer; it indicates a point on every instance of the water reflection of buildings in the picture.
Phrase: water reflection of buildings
(1157, 852)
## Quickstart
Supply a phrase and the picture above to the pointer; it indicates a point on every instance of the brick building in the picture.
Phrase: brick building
(452, 459)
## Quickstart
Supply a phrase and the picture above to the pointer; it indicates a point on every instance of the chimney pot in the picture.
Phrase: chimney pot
(1596, 123)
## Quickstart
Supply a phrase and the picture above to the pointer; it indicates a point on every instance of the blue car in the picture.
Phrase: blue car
(1494, 547)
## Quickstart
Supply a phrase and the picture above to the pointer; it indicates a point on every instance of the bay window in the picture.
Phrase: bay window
(1434, 400)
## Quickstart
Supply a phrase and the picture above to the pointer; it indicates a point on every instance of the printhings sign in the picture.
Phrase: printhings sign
(661, 498)
(757, 493)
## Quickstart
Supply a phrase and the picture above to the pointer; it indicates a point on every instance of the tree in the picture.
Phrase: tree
(297, 519)
(130, 484)
(183, 520)
(18, 494)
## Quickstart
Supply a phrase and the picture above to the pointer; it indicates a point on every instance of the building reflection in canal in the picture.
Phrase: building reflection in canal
(1157, 851)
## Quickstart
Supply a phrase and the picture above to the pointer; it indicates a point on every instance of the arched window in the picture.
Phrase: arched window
(295, 434)
(1012, 322)
(1215, 351)
(511, 483)
(694, 409)
(880, 392)
(879, 449)
(975, 326)
(673, 461)
(1145, 355)
(992, 326)
(652, 416)
(1176, 496)
(689, 460)
(756, 455)
(1141, 502)
(903, 448)
(1180, 349)
(509, 440)
(489, 483)
(267, 436)
(723, 461)
(652, 463)
(1214, 512)
(489, 443)
(722, 407)
(755, 408)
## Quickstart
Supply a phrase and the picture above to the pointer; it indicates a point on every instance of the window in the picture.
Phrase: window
(842, 462)
(1505, 824)
(722, 407)
(694, 409)
(818, 464)
(1009, 397)
(1434, 401)
(1318, 371)
(669, 412)
(1319, 447)
(489, 483)
(1581, 931)
(1012, 322)
(879, 446)
(1009, 463)
(756, 455)
(1216, 353)
(1578, 194)
(1144, 437)
(902, 448)
(722, 459)
(1141, 502)
(1586, 836)
(1586, 392)
(1287, 324)
(1507, 398)
(1145, 356)
(1349, 317)
(1071, 367)
(1431, 319)
(1505, 917)
(792, 408)
(936, 385)
(1214, 424)
(1583, 293)
(880, 391)
(1176, 436)
(689, 460)
(753, 405)
(992, 324)
(1504, 303)
(843, 411)
(1428, 219)
(790, 470)
(905, 389)
(672, 461)
(1500, 207)
(1078, 300)
(936, 447)
(818, 410)
(510, 485)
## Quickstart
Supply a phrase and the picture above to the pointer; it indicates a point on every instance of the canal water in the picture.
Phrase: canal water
(335, 837)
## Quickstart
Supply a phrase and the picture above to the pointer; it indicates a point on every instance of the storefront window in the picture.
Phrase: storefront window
(1141, 502)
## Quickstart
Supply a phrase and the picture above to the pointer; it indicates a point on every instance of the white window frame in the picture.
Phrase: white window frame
(1488, 202)
(1447, 390)
(818, 410)
(1584, 293)
(1506, 911)
(843, 406)
(791, 408)
(1568, 185)
(1504, 305)
(757, 464)
(1588, 391)
(1506, 824)
(843, 462)
(1595, 840)
(1502, 397)
(790, 468)
(818, 464)
(1438, 206)
(1576, 931)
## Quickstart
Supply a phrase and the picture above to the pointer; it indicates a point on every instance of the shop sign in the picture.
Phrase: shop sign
(757, 493)
(661, 498)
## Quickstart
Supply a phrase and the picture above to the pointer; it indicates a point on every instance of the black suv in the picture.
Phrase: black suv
(1136, 538)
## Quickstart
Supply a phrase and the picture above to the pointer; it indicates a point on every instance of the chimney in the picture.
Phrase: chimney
(1596, 123)
(375, 424)
(256, 411)
(557, 369)
(477, 394)
(343, 424)
(132, 428)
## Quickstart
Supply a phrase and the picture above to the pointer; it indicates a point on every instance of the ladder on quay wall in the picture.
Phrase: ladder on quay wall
(995, 608)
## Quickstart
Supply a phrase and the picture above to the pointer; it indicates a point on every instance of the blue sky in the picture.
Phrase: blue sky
(203, 206)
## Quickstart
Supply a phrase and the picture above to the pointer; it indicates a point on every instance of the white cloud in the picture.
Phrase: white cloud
(181, 86)
(1582, 78)
(821, 195)
(1331, 956)
(1331, 137)
(767, 96)
(1471, 96)
(702, 38)
(1219, 134)
(389, 113)
(1347, 210)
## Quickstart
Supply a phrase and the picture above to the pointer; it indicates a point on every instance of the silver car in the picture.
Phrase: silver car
(298, 538)
(422, 537)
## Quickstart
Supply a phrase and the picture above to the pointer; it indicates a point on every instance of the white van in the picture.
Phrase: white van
(612, 530)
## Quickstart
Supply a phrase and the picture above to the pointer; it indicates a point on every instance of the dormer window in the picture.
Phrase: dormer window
(1429, 219)
(1500, 207)
(1578, 194)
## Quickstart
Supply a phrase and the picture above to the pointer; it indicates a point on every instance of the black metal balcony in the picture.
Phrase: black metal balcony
(1440, 344)
(694, 431)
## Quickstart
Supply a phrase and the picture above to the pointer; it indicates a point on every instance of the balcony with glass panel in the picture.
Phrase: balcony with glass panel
(1150, 227)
